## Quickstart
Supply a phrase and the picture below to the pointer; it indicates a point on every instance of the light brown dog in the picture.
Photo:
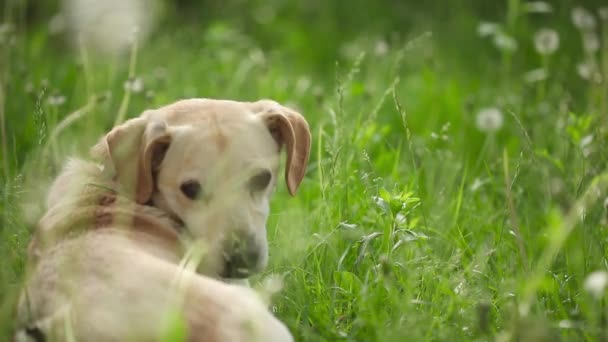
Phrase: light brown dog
(136, 243)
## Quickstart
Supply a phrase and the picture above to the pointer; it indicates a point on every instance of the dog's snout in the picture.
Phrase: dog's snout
(241, 256)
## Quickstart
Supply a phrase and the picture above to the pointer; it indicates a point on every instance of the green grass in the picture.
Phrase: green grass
(411, 222)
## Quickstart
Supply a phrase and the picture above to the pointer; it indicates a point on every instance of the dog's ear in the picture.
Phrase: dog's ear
(290, 129)
(134, 151)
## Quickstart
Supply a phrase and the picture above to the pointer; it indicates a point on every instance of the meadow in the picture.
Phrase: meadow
(457, 187)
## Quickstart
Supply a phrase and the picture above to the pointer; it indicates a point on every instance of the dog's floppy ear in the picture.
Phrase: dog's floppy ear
(289, 128)
(133, 151)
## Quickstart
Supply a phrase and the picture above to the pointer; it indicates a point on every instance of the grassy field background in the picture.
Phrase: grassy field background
(457, 182)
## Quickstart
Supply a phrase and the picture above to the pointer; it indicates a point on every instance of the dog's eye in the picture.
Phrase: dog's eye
(191, 189)
(260, 181)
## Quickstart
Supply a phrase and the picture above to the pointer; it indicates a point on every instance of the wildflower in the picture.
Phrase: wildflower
(381, 48)
(485, 29)
(538, 7)
(585, 70)
(591, 42)
(583, 19)
(535, 75)
(505, 42)
(585, 145)
(566, 324)
(546, 41)
(108, 25)
(135, 85)
(56, 100)
(489, 120)
(596, 283)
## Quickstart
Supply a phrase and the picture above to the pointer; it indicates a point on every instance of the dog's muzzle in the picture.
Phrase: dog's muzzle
(242, 256)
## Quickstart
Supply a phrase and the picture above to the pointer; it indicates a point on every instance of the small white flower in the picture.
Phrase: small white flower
(596, 283)
(538, 7)
(485, 29)
(135, 85)
(586, 140)
(477, 183)
(273, 284)
(585, 70)
(381, 48)
(582, 19)
(505, 42)
(459, 289)
(603, 12)
(56, 100)
(489, 120)
(591, 42)
(535, 75)
(566, 324)
(546, 41)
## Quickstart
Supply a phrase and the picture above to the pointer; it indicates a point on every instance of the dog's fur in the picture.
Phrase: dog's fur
(128, 247)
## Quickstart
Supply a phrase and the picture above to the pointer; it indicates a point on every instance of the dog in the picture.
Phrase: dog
(139, 242)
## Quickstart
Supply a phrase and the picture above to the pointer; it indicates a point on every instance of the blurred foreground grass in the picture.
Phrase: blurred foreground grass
(457, 182)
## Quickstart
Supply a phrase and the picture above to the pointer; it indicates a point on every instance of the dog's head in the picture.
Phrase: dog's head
(212, 165)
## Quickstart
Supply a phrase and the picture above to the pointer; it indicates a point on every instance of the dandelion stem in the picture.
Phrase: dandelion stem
(86, 67)
(124, 105)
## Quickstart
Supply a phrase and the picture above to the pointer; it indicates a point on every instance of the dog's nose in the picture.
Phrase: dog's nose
(241, 256)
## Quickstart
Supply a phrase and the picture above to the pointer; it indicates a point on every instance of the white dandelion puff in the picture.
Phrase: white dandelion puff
(585, 70)
(591, 43)
(134, 85)
(485, 29)
(504, 42)
(582, 19)
(535, 75)
(538, 7)
(381, 48)
(595, 283)
(108, 26)
(489, 120)
(546, 41)
(56, 100)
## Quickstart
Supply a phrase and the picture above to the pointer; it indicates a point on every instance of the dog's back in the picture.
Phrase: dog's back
(113, 281)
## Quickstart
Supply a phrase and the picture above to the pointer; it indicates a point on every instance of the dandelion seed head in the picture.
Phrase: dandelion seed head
(485, 29)
(134, 85)
(595, 283)
(538, 7)
(585, 70)
(582, 19)
(56, 100)
(546, 41)
(489, 120)
(566, 324)
(535, 75)
(108, 26)
(381, 48)
(591, 42)
(504, 42)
